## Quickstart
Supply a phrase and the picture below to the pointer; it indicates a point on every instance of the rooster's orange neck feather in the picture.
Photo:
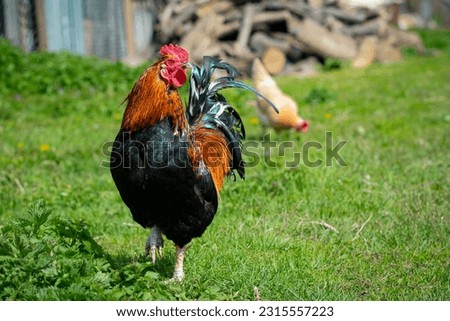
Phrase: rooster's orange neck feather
(151, 101)
(210, 149)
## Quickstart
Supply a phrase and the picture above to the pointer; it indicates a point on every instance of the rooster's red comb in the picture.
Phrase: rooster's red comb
(174, 51)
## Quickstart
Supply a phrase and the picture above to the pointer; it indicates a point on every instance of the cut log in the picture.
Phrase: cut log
(217, 7)
(367, 53)
(334, 24)
(323, 42)
(184, 16)
(260, 41)
(232, 15)
(244, 33)
(181, 7)
(350, 16)
(165, 27)
(301, 10)
(274, 60)
(228, 29)
(387, 53)
(304, 68)
(269, 17)
(297, 50)
(372, 27)
(317, 4)
(201, 40)
(406, 39)
(242, 63)
(292, 41)
(258, 18)
(408, 21)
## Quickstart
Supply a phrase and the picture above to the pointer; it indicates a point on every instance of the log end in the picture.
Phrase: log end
(274, 60)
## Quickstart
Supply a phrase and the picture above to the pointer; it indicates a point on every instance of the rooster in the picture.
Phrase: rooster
(288, 117)
(169, 165)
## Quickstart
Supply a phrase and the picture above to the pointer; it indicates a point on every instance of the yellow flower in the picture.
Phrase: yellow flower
(328, 116)
(44, 147)
(253, 121)
(20, 145)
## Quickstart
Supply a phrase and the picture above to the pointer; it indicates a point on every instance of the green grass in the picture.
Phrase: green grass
(389, 205)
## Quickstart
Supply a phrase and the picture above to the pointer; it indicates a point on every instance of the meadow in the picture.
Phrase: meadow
(374, 228)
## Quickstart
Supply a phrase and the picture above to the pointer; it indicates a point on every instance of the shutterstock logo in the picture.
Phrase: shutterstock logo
(267, 151)
(309, 154)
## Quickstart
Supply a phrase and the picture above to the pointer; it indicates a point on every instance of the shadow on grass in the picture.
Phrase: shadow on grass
(124, 261)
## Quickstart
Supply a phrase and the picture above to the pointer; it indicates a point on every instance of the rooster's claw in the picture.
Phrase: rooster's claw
(154, 242)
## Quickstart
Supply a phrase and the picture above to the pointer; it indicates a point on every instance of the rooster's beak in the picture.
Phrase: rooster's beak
(188, 65)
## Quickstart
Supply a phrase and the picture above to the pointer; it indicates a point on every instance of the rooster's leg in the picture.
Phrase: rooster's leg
(154, 242)
(178, 272)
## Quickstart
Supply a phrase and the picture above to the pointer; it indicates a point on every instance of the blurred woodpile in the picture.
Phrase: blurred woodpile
(287, 35)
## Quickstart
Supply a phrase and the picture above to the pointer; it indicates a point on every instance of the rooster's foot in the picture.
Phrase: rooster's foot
(154, 242)
(178, 272)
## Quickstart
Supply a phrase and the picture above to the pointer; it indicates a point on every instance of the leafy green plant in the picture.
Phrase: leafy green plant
(318, 96)
(50, 73)
(44, 256)
(436, 39)
(331, 64)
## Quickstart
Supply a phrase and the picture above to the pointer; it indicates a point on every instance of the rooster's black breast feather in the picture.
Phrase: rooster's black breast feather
(157, 182)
